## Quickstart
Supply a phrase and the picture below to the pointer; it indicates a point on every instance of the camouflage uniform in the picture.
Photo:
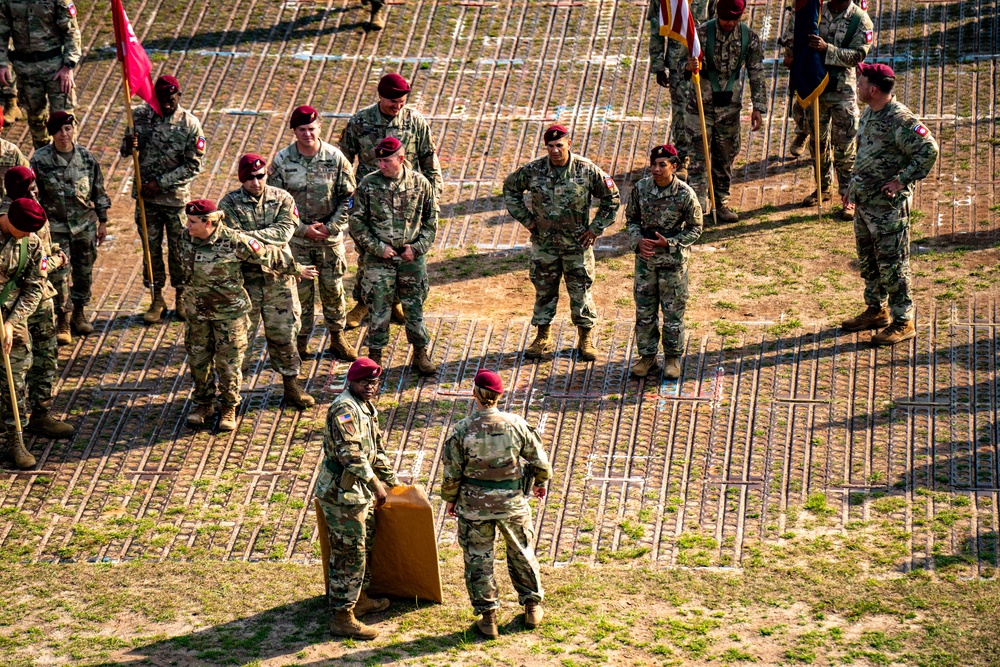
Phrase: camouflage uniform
(71, 189)
(170, 151)
(215, 305)
(354, 456)
(21, 303)
(482, 476)
(46, 37)
(723, 122)
(395, 212)
(559, 211)
(892, 143)
(271, 219)
(10, 156)
(369, 126)
(838, 107)
(322, 186)
(662, 280)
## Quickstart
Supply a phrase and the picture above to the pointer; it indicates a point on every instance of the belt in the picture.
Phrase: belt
(509, 484)
(34, 56)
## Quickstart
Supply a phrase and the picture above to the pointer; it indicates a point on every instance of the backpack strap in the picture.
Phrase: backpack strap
(852, 29)
(713, 74)
(22, 262)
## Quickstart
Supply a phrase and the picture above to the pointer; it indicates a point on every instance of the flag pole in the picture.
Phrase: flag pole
(10, 383)
(819, 179)
(696, 81)
(144, 232)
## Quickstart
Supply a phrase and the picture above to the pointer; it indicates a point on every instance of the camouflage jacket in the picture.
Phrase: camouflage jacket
(559, 204)
(388, 212)
(271, 219)
(70, 188)
(664, 53)
(322, 186)
(369, 126)
(27, 293)
(892, 143)
(213, 278)
(840, 59)
(171, 151)
(726, 57)
(37, 26)
(673, 211)
(490, 445)
(51, 260)
(354, 453)
(10, 156)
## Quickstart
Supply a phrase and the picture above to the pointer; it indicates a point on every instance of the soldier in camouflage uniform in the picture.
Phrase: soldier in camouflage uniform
(269, 215)
(389, 117)
(71, 189)
(10, 156)
(485, 460)
(46, 52)
(321, 180)
(728, 45)
(845, 37)
(895, 150)
(663, 220)
(352, 483)
(216, 305)
(394, 221)
(171, 149)
(560, 186)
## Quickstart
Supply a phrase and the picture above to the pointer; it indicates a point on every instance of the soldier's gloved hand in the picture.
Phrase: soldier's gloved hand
(5, 75)
(663, 79)
(408, 253)
(8, 337)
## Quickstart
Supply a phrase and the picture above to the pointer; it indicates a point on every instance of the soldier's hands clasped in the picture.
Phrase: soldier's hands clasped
(317, 231)
(408, 254)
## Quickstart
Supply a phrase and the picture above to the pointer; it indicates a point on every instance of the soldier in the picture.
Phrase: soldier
(21, 284)
(389, 117)
(728, 45)
(394, 221)
(353, 482)
(71, 189)
(560, 186)
(379, 13)
(171, 149)
(486, 458)
(845, 36)
(663, 220)
(10, 154)
(895, 150)
(321, 180)
(46, 52)
(215, 305)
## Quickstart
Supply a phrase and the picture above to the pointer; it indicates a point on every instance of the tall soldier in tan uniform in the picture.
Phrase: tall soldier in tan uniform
(321, 180)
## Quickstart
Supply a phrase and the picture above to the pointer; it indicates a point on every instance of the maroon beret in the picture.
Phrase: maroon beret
(388, 147)
(362, 369)
(57, 119)
(666, 150)
(17, 181)
(555, 132)
(487, 379)
(166, 85)
(730, 10)
(392, 86)
(200, 207)
(876, 71)
(250, 163)
(27, 215)
(302, 115)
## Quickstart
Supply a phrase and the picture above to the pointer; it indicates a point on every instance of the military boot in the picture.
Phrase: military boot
(356, 316)
(487, 624)
(63, 334)
(542, 343)
(645, 366)
(422, 362)
(344, 624)
(584, 346)
(813, 199)
(156, 308)
(11, 111)
(22, 458)
(340, 348)
(897, 332)
(671, 367)
(379, 14)
(798, 145)
(682, 170)
(79, 321)
(227, 419)
(875, 317)
(201, 414)
(295, 395)
(533, 613)
(302, 346)
(375, 354)
(397, 316)
(366, 605)
(178, 309)
(42, 423)
(726, 214)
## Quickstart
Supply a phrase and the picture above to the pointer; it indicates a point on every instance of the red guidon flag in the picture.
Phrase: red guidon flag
(137, 64)
(677, 22)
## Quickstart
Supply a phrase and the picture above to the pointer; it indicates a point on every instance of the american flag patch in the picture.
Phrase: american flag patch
(45, 264)
(200, 144)
(609, 182)
(869, 36)
(921, 130)
(72, 10)
(345, 418)
(254, 245)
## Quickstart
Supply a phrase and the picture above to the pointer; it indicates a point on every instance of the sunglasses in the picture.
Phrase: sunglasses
(370, 382)
(257, 177)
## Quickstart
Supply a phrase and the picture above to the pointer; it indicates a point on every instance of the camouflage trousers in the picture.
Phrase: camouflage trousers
(20, 362)
(162, 221)
(216, 347)
(577, 269)
(81, 249)
(330, 260)
(275, 299)
(41, 376)
(382, 282)
(477, 538)
(723, 127)
(359, 279)
(39, 93)
(838, 126)
(351, 530)
(882, 234)
(656, 288)
(681, 92)
(801, 126)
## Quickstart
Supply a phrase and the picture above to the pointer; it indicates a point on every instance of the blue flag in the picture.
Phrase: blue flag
(809, 76)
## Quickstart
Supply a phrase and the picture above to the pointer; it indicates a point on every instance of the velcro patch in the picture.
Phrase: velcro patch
(295, 210)
(345, 418)
(869, 36)
(72, 10)
(254, 245)
(200, 144)
(345, 422)
(609, 182)
(350, 203)
(45, 264)
(921, 130)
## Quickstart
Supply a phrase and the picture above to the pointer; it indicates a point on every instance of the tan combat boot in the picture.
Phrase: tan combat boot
(23, 459)
(798, 145)
(812, 199)
(671, 367)
(356, 316)
(487, 624)
(645, 366)
(875, 317)
(682, 170)
(367, 605)
(11, 111)
(42, 423)
(542, 343)
(533, 613)
(726, 214)
(178, 309)
(302, 346)
(294, 394)
(227, 419)
(375, 354)
(397, 316)
(79, 321)
(897, 332)
(156, 308)
(201, 414)
(340, 348)
(63, 334)
(379, 14)
(422, 362)
(584, 346)
(345, 625)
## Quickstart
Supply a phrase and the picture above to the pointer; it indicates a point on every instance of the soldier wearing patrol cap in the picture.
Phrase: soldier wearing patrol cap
(560, 186)
(663, 220)
(895, 150)
(353, 481)
(486, 460)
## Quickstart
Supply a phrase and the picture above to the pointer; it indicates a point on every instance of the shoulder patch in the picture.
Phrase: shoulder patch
(350, 203)
(609, 182)
(72, 10)
(295, 210)
(44, 264)
(254, 245)
(921, 130)
(864, 5)
(200, 144)
(869, 36)
(345, 422)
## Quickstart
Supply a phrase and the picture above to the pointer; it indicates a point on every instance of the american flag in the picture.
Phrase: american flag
(677, 22)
